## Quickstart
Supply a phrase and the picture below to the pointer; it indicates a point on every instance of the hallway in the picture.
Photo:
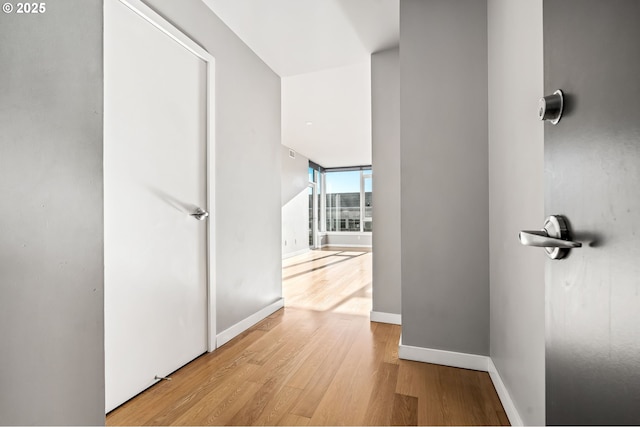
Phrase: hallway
(318, 361)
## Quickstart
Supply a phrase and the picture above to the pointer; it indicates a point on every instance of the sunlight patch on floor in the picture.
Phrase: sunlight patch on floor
(331, 281)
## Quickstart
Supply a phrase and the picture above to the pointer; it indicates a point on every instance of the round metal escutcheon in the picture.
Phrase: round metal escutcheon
(556, 226)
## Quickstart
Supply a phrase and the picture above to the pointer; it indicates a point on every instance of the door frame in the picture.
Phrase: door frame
(179, 37)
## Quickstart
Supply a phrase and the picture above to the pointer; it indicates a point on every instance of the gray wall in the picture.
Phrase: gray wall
(385, 112)
(51, 222)
(516, 188)
(295, 202)
(247, 166)
(444, 177)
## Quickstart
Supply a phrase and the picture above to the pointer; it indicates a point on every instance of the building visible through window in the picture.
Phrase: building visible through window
(347, 196)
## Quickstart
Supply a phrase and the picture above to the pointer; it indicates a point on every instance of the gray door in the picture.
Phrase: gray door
(592, 174)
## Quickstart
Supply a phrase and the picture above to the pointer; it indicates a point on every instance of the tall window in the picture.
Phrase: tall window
(314, 209)
(348, 201)
(343, 201)
(367, 190)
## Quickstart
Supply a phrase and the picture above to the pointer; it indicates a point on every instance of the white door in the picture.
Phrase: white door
(155, 177)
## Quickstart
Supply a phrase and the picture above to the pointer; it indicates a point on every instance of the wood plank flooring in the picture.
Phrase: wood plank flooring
(318, 361)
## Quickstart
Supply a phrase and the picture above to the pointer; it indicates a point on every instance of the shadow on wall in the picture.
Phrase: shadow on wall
(177, 204)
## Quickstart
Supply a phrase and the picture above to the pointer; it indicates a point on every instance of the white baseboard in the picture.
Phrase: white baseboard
(235, 330)
(443, 357)
(296, 253)
(505, 398)
(381, 317)
(328, 245)
(466, 361)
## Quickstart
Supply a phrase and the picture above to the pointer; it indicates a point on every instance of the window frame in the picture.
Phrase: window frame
(323, 200)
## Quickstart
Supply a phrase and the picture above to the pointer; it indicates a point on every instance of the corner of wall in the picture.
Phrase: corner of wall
(385, 113)
(230, 333)
(464, 361)
(505, 398)
(444, 175)
(516, 137)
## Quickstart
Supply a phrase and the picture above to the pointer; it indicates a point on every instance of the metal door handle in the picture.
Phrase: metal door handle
(554, 237)
(200, 214)
(543, 240)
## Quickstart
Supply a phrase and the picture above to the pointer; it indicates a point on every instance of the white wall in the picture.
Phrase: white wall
(348, 239)
(338, 103)
(51, 220)
(444, 176)
(248, 225)
(295, 203)
(516, 185)
(385, 121)
(295, 225)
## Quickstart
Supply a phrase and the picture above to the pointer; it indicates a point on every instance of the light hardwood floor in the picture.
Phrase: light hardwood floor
(318, 361)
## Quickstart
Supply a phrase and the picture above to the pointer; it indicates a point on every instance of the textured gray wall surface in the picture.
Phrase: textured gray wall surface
(248, 164)
(385, 112)
(516, 195)
(444, 177)
(51, 220)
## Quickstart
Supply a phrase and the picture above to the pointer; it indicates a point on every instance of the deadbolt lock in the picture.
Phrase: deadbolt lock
(550, 107)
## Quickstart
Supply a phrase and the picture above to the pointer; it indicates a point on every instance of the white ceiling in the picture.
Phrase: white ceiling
(296, 37)
(326, 115)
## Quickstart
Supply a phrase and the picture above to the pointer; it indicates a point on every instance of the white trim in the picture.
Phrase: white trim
(235, 330)
(323, 207)
(361, 203)
(347, 233)
(166, 27)
(212, 223)
(381, 317)
(314, 211)
(443, 357)
(153, 18)
(466, 361)
(337, 245)
(505, 397)
(296, 253)
(344, 235)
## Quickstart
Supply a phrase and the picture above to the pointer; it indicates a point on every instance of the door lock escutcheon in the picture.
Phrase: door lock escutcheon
(554, 237)
(550, 107)
(200, 214)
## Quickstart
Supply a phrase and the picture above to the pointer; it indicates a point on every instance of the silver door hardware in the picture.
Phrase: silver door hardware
(200, 214)
(157, 377)
(554, 237)
(550, 107)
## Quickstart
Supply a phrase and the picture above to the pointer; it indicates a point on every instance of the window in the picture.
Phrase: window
(367, 190)
(311, 216)
(343, 201)
(343, 198)
(348, 201)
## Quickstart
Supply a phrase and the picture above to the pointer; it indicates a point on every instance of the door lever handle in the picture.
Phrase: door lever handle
(200, 214)
(543, 240)
(554, 237)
